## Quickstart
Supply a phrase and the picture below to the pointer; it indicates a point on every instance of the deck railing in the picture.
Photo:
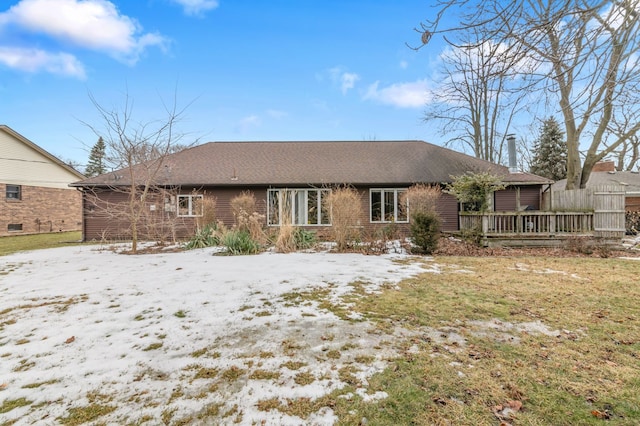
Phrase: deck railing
(533, 223)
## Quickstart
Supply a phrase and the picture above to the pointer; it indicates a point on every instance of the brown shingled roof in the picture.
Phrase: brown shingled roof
(315, 163)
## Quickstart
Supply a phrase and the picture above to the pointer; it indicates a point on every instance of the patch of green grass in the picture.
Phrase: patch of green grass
(293, 365)
(86, 414)
(39, 384)
(364, 359)
(333, 354)
(198, 353)
(304, 378)
(153, 346)
(16, 243)
(180, 314)
(206, 373)
(264, 375)
(24, 365)
(232, 374)
(11, 404)
(268, 404)
(583, 373)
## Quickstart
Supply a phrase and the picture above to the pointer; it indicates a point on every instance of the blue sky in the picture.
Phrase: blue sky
(249, 70)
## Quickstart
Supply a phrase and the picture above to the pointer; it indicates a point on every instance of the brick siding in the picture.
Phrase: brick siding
(41, 210)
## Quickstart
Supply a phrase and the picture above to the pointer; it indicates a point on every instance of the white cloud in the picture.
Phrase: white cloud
(247, 123)
(197, 7)
(34, 60)
(276, 114)
(404, 95)
(346, 80)
(91, 24)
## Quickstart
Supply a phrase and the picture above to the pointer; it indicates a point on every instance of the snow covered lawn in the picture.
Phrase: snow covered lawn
(92, 335)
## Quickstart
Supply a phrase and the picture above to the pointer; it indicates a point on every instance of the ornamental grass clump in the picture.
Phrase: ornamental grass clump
(205, 237)
(285, 242)
(346, 211)
(240, 242)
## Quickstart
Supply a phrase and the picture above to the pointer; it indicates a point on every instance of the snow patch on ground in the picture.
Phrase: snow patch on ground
(172, 333)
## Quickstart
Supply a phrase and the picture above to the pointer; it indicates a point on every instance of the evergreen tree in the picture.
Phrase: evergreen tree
(550, 152)
(96, 164)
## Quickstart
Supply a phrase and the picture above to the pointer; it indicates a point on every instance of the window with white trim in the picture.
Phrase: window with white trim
(387, 205)
(14, 192)
(305, 207)
(190, 205)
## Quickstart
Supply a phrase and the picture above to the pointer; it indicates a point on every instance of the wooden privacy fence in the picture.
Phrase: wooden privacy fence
(606, 201)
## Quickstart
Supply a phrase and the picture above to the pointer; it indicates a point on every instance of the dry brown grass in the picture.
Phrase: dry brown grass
(346, 211)
(285, 243)
(208, 217)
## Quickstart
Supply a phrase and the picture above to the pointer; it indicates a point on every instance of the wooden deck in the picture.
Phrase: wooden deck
(536, 228)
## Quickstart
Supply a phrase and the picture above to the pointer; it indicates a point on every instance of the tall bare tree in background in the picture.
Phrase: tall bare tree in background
(585, 63)
(139, 150)
(627, 154)
(475, 103)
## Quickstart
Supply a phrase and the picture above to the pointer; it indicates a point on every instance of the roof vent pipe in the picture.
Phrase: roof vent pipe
(511, 147)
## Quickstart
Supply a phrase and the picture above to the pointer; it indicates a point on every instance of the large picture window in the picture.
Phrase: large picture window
(14, 192)
(387, 205)
(301, 206)
(190, 205)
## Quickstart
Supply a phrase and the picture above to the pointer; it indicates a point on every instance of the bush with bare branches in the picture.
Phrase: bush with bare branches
(247, 219)
(421, 198)
(346, 210)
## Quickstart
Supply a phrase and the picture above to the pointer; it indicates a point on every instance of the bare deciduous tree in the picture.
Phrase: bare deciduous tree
(627, 155)
(584, 55)
(477, 99)
(139, 151)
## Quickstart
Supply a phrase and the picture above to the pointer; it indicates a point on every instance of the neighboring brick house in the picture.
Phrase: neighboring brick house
(305, 171)
(34, 186)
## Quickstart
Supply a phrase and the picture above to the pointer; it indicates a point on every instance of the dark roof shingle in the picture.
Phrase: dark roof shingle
(316, 163)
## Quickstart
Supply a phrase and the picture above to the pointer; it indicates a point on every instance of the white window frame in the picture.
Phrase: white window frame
(191, 206)
(397, 192)
(298, 196)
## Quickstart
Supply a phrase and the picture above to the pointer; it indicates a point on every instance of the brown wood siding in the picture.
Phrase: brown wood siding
(632, 204)
(104, 220)
(530, 197)
(505, 200)
(448, 207)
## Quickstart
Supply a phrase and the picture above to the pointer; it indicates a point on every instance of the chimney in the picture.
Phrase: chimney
(604, 166)
(511, 146)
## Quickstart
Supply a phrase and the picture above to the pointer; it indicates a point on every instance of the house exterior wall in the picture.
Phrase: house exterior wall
(105, 219)
(45, 202)
(20, 164)
(632, 204)
(40, 210)
(520, 198)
